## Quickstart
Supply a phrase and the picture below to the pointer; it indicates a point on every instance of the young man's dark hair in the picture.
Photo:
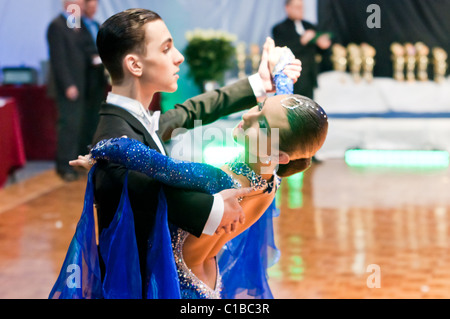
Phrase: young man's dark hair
(121, 34)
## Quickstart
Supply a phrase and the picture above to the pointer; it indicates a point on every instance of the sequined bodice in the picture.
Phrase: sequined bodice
(239, 167)
(190, 286)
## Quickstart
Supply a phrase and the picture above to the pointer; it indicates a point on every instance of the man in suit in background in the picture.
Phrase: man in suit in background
(69, 61)
(138, 51)
(96, 79)
(304, 41)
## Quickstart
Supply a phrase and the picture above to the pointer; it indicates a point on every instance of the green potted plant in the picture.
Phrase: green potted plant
(209, 54)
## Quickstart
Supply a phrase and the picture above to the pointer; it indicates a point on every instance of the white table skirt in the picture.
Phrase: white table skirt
(366, 115)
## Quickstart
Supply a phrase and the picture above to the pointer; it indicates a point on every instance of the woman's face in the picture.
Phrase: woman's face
(259, 129)
(162, 60)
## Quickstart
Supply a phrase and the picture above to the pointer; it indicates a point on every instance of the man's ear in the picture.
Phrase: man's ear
(283, 158)
(133, 65)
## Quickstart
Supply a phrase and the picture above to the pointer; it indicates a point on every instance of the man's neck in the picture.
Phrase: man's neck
(292, 19)
(134, 92)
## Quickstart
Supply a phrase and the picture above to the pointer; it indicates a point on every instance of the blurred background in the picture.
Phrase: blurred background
(24, 25)
(376, 194)
(366, 43)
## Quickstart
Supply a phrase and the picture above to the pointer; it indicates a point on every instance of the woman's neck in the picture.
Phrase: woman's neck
(263, 169)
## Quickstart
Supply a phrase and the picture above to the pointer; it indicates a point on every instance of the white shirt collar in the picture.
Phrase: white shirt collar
(131, 105)
(299, 27)
(151, 122)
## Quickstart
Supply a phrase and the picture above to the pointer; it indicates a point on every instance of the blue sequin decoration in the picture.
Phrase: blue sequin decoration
(283, 84)
(188, 175)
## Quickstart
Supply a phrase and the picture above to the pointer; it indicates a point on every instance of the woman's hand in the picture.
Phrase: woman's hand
(85, 161)
(293, 70)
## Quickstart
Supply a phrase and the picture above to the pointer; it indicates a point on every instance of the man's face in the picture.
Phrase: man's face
(162, 60)
(79, 3)
(294, 10)
(90, 8)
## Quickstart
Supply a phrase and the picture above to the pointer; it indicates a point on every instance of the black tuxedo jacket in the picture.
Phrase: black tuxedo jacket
(186, 209)
(69, 56)
(284, 34)
(96, 79)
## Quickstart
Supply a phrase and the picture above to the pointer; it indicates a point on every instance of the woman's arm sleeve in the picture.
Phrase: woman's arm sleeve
(182, 174)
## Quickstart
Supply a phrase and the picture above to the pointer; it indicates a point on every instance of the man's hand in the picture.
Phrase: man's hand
(264, 68)
(232, 211)
(324, 41)
(72, 93)
(269, 58)
(307, 36)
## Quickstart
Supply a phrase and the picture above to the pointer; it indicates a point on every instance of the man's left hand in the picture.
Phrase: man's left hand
(324, 41)
(269, 58)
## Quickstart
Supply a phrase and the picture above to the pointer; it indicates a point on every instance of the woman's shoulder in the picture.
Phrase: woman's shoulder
(245, 182)
(242, 180)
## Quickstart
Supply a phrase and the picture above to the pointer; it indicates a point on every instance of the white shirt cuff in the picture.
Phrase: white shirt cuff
(215, 217)
(257, 85)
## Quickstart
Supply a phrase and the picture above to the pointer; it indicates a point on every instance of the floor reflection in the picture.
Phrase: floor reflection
(355, 221)
(341, 232)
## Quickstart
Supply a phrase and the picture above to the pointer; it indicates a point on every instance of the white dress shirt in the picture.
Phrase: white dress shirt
(151, 123)
(299, 27)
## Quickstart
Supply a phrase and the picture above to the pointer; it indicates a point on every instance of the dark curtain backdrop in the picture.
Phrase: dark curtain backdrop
(401, 21)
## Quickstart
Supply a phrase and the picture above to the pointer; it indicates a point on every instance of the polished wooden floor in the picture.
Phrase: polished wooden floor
(343, 233)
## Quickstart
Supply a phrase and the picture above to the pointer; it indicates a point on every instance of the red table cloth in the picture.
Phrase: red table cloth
(38, 118)
(12, 151)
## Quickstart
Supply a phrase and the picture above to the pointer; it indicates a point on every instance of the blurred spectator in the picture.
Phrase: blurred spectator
(67, 82)
(96, 80)
(304, 41)
(76, 80)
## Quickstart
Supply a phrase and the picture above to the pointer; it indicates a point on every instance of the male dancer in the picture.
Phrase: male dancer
(138, 51)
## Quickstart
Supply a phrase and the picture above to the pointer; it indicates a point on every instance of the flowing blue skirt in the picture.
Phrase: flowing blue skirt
(243, 261)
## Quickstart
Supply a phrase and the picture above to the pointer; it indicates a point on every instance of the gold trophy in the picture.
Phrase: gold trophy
(410, 62)
(368, 61)
(398, 60)
(422, 61)
(355, 61)
(241, 57)
(255, 57)
(339, 57)
(440, 64)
